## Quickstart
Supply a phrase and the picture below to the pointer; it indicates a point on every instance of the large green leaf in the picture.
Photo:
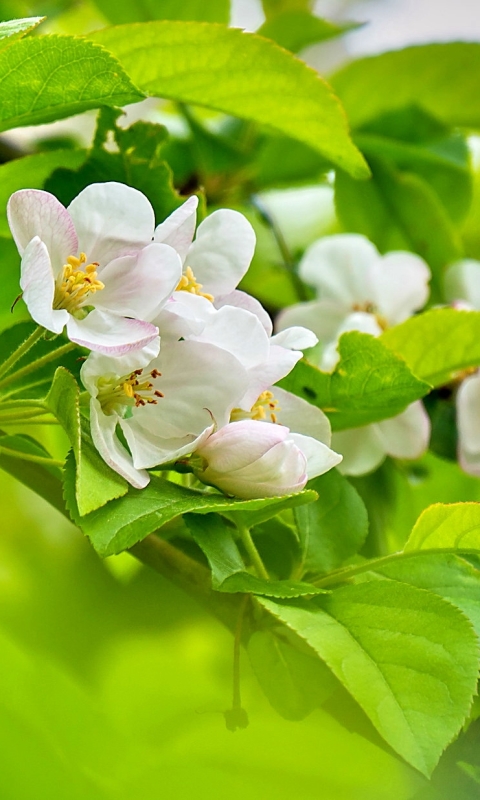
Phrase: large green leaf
(366, 386)
(229, 573)
(51, 77)
(133, 11)
(409, 658)
(442, 526)
(123, 522)
(237, 73)
(334, 527)
(14, 29)
(438, 343)
(440, 78)
(95, 482)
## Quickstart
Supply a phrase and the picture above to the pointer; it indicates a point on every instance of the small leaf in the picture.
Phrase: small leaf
(409, 658)
(237, 73)
(95, 482)
(52, 77)
(334, 527)
(14, 29)
(43, 479)
(366, 386)
(442, 526)
(438, 343)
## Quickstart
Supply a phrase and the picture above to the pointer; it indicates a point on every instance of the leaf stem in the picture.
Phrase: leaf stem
(22, 349)
(49, 462)
(37, 364)
(236, 716)
(252, 551)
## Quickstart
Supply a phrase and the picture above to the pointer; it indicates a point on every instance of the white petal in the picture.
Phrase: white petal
(340, 268)
(178, 229)
(240, 333)
(38, 286)
(319, 457)
(184, 315)
(278, 364)
(112, 334)
(111, 220)
(243, 300)
(301, 417)
(295, 338)
(358, 321)
(112, 451)
(462, 282)
(361, 450)
(241, 443)
(138, 286)
(468, 423)
(32, 212)
(323, 317)
(222, 251)
(153, 451)
(406, 435)
(402, 286)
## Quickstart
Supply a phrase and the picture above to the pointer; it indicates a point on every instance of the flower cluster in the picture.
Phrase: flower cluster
(182, 364)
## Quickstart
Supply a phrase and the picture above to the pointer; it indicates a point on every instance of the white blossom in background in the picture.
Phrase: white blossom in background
(359, 289)
(94, 268)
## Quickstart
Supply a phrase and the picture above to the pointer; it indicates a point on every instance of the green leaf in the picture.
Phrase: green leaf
(272, 8)
(409, 658)
(133, 11)
(229, 573)
(295, 30)
(237, 73)
(437, 344)
(95, 482)
(366, 386)
(334, 527)
(294, 681)
(440, 78)
(129, 519)
(442, 526)
(52, 77)
(14, 29)
(41, 478)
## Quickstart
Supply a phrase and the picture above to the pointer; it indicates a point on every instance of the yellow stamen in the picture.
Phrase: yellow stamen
(264, 407)
(115, 395)
(75, 283)
(371, 308)
(189, 283)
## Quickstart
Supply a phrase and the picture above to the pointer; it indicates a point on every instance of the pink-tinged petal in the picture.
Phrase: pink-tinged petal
(301, 417)
(468, 424)
(179, 228)
(222, 251)
(239, 444)
(138, 286)
(320, 458)
(295, 338)
(406, 435)
(323, 317)
(38, 286)
(32, 212)
(340, 268)
(462, 282)
(243, 300)
(113, 335)
(361, 450)
(402, 286)
(153, 451)
(112, 451)
(240, 333)
(111, 220)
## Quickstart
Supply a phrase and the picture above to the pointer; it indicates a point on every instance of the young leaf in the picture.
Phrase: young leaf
(229, 573)
(441, 526)
(14, 29)
(409, 658)
(334, 527)
(438, 343)
(237, 73)
(95, 482)
(52, 77)
(366, 386)
(43, 479)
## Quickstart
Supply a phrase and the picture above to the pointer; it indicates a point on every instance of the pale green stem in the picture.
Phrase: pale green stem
(22, 349)
(50, 462)
(38, 364)
(252, 551)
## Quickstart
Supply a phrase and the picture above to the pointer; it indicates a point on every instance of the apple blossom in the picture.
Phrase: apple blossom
(164, 409)
(93, 267)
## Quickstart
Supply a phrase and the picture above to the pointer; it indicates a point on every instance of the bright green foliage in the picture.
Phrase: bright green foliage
(440, 78)
(295, 30)
(447, 526)
(132, 11)
(438, 343)
(274, 7)
(43, 479)
(15, 29)
(211, 66)
(334, 527)
(409, 658)
(95, 483)
(51, 77)
(367, 385)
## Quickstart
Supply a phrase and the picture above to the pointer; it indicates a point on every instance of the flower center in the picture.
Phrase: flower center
(370, 308)
(75, 283)
(264, 408)
(189, 283)
(116, 395)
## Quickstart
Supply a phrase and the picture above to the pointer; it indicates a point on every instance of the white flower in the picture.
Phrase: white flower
(468, 424)
(462, 284)
(97, 254)
(251, 459)
(164, 410)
